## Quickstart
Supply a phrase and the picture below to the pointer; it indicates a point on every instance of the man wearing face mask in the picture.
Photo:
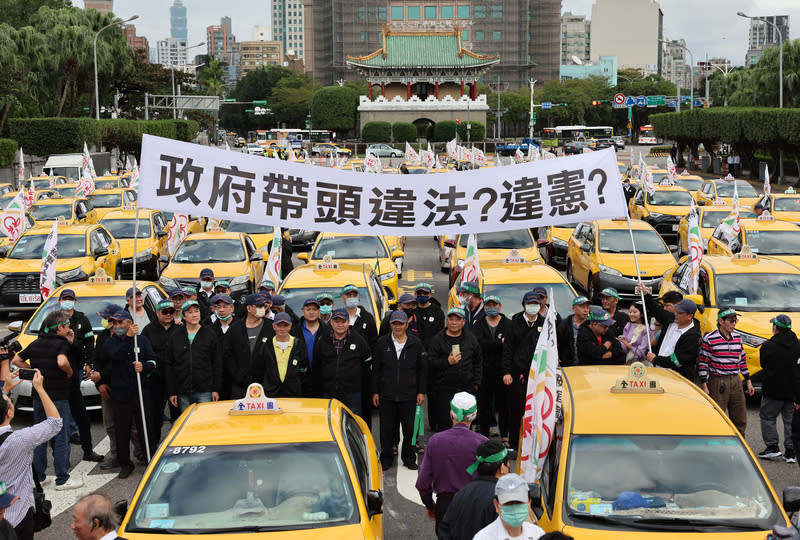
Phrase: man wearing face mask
(512, 504)
(223, 286)
(206, 292)
(490, 332)
(567, 331)
(407, 303)
(473, 307)
(518, 348)
(81, 356)
(325, 307)
(429, 313)
(223, 314)
(159, 333)
(243, 347)
(363, 323)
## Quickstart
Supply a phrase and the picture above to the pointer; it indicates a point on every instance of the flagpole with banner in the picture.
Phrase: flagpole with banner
(47, 274)
(640, 286)
(273, 268)
(136, 340)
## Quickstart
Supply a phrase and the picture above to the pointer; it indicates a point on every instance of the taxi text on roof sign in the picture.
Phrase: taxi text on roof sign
(746, 254)
(327, 263)
(255, 402)
(100, 276)
(514, 257)
(637, 382)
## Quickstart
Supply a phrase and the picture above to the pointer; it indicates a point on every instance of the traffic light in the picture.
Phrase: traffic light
(458, 121)
(595, 103)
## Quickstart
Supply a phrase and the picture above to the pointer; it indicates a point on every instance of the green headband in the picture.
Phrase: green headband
(461, 413)
(494, 458)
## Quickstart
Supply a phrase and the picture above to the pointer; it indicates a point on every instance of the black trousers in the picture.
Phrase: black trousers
(443, 501)
(25, 528)
(516, 407)
(125, 414)
(77, 408)
(492, 392)
(394, 414)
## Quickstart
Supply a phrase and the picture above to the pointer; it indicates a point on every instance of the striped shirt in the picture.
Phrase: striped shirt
(16, 455)
(720, 356)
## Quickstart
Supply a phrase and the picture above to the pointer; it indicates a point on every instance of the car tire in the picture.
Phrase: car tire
(154, 273)
(117, 273)
(570, 276)
(590, 292)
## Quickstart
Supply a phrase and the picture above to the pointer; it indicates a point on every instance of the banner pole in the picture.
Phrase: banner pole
(136, 341)
(641, 286)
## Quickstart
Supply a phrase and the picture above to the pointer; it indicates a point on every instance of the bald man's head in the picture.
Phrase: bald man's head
(93, 517)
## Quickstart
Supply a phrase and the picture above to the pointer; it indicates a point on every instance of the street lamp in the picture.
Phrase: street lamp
(780, 72)
(96, 86)
(172, 68)
(691, 72)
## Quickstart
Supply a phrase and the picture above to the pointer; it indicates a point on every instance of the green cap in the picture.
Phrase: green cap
(611, 291)
(165, 304)
(424, 286)
(223, 283)
(324, 296)
(580, 300)
(471, 287)
(457, 311)
(349, 288)
(730, 312)
(492, 298)
(189, 303)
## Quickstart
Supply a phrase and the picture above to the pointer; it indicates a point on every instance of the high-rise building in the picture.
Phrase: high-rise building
(674, 65)
(630, 29)
(525, 33)
(171, 52)
(216, 40)
(177, 21)
(137, 43)
(221, 44)
(256, 54)
(764, 35)
(261, 32)
(103, 6)
(288, 26)
(575, 38)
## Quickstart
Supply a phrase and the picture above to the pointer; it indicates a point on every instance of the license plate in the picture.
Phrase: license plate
(30, 299)
(674, 228)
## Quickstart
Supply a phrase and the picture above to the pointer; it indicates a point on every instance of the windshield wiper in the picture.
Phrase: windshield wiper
(221, 530)
(699, 522)
(690, 524)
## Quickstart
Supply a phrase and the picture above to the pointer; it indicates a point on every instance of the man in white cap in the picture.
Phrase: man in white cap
(512, 503)
(448, 455)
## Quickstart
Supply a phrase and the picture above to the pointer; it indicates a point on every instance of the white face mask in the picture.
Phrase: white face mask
(261, 311)
(351, 302)
(531, 309)
(206, 284)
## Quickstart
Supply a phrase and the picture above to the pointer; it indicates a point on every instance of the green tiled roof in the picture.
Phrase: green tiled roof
(422, 49)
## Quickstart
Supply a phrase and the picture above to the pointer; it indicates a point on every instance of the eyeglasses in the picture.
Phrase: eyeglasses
(168, 311)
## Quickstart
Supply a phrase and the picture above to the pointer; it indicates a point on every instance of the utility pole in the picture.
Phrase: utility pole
(530, 127)
(497, 124)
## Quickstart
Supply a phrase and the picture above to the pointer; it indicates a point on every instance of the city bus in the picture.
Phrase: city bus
(647, 135)
(561, 135)
(296, 137)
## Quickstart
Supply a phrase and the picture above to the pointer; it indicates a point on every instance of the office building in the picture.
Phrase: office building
(606, 68)
(137, 43)
(288, 26)
(575, 39)
(177, 21)
(630, 29)
(261, 32)
(764, 35)
(103, 6)
(256, 54)
(171, 52)
(525, 33)
(675, 66)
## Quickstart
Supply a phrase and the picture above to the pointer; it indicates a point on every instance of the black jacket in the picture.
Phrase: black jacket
(204, 303)
(398, 379)
(82, 349)
(120, 374)
(520, 344)
(297, 332)
(296, 382)
(159, 338)
(590, 353)
(431, 321)
(365, 326)
(567, 341)
(473, 316)
(471, 510)
(240, 365)
(196, 366)
(491, 345)
(337, 374)
(687, 349)
(100, 358)
(463, 376)
(779, 360)
(620, 320)
(413, 324)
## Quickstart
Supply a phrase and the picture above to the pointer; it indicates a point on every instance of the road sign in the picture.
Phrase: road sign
(630, 101)
(698, 103)
(655, 101)
(673, 103)
(533, 118)
(619, 99)
(641, 101)
(619, 106)
(547, 104)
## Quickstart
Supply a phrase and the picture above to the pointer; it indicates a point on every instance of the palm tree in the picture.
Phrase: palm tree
(211, 77)
(23, 52)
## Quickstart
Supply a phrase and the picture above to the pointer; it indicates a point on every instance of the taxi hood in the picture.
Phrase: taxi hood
(678, 211)
(126, 245)
(344, 532)
(192, 270)
(651, 264)
(755, 322)
(8, 266)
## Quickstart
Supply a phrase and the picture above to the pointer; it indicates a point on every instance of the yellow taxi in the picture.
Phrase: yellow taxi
(7, 197)
(414, 168)
(43, 182)
(600, 255)
(82, 250)
(111, 182)
(5, 187)
(196, 223)
(708, 217)
(356, 165)
(784, 206)
(277, 468)
(758, 288)
(261, 235)
(690, 182)
(623, 170)
(763, 235)
(557, 242)
(658, 174)
(493, 246)
(663, 209)
(150, 244)
(511, 278)
(74, 210)
(325, 149)
(712, 190)
(359, 248)
(621, 467)
(106, 200)
(233, 257)
(445, 247)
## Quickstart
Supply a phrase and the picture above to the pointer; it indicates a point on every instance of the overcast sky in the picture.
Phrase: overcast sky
(712, 29)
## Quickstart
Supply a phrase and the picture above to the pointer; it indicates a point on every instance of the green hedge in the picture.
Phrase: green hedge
(404, 132)
(8, 152)
(444, 131)
(186, 130)
(376, 132)
(477, 132)
(760, 126)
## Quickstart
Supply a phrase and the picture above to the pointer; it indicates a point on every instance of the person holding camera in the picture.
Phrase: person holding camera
(50, 355)
(17, 452)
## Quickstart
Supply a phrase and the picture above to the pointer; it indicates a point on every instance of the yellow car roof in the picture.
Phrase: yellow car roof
(597, 410)
(214, 235)
(671, 188)
(724, 264)
(131, 214)
(110, 191)
(300, 420)
(755, 224)
(61, 201)
(309, 275)
(621, 223)
(497, 272)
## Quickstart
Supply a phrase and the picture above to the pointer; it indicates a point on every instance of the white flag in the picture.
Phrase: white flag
(452, 149)
(51, 180)
(767, 186)
(646, 176)
(472, 266)
(689, 281)
(272, 271)
(86, 182)
(12, 219)
(541, 399)
(672, 173)
(177, 231)
(227, 146)
(47, 275)
(29, 198)
(134, 180)
(479, 156)
(411, 154)
(518, 155)
(332, 159)
(21, 169)
(372, 163)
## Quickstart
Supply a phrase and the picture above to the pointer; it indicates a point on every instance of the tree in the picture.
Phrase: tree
(23, 53)
(211, 77)
(20, 13)
(290, 99)
(334, 107)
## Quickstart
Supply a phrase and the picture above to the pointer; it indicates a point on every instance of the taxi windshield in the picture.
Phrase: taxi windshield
(787, 204)
(725, 189)
(630, 480)
(296, 296)
(774, 242)
(519, 239)
(350, 247)
(51, 212)
(249, 228)
(670, 198)
(511, 295)
(619, 241)
(689, 183)
(41, 184)
(68, 191)
(31, 246)
(758, 292)
(210, 250)
(106, 200)
(106, 184)
(658, 177)
(622, 168)
(711, 219)
(124, 228)
(246, 488)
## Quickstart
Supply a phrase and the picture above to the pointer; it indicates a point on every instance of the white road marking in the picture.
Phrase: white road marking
(63, 500)
(406, 482)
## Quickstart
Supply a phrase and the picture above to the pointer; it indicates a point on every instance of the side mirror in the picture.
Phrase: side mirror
(396, 254)
(4, 251)
(701, 202)
(586, 247)
(163, 258)
(162, 234)
(303, 256)
(374, 502)
(450, 243)
(100, 252)
(15, 326)
(535, 495)
(257, 256)
(791, 498)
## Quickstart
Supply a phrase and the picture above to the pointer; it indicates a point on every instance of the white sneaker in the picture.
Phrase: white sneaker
(72, 483)
(47, 481)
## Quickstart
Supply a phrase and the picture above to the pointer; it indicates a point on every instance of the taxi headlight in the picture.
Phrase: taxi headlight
(71, 275)
(557, 242)
(168, 283)
(387, 275)
(610, 271)
(144, 255)
(751, 340)
(655, 215)
(2, 276)
(240, 280)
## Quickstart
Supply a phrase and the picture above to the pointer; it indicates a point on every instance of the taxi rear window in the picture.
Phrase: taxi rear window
(246, 488)
(519, 239)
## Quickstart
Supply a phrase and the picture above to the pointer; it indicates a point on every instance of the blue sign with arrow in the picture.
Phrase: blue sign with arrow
(630, 101)
(641, 101)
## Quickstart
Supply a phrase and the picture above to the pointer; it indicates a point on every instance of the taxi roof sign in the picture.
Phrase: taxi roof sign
(62, 220)
(100, 276)
(327, 263)
(765, 216)
(637, 382)
(254, 402)
(790, 190)
(746, 254)
(514, 257)
(718, 202)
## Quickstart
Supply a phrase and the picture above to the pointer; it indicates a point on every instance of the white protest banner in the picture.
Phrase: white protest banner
(47, 274)
(192, 179)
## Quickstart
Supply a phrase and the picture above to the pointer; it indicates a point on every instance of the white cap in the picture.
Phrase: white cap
(463, 405)
(511, 488)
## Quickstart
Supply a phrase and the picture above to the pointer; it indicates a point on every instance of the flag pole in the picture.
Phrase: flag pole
(136, 341)
(639, 279)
